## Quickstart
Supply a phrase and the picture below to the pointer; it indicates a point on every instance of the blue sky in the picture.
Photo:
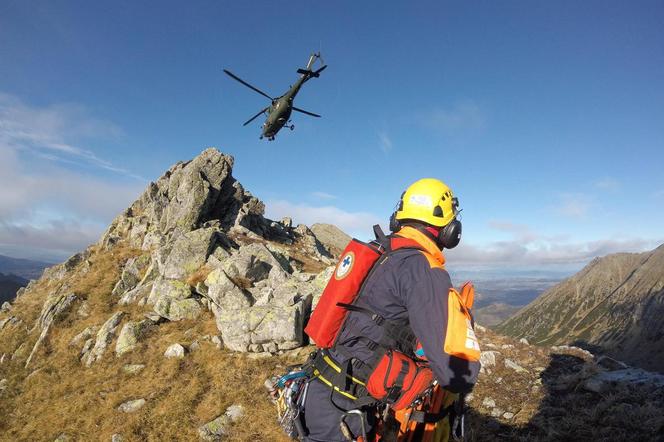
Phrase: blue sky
(545, 118)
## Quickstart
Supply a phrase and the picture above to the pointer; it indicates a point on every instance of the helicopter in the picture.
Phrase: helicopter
(280, 108)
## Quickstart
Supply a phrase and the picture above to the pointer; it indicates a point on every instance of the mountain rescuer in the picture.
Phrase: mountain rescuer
(390, 328)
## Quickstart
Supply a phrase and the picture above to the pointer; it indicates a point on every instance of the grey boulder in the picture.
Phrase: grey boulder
(104, 337)
(131, 335)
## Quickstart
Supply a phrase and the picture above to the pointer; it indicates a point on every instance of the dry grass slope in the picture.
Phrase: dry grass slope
(59, 395)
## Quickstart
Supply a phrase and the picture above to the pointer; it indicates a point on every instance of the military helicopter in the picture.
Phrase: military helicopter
(279, 111)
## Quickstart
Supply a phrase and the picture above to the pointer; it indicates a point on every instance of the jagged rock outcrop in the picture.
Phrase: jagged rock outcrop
(190, 251)
(332, 237)
(187, 196)
(103, 338)
(83, 336)
(614, 305)
(59, 271)
(178, 309)
(132, 274)
(52, 311)
(207, 245)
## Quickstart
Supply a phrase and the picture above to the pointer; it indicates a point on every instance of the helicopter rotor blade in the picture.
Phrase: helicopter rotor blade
(305, 112)
(262, 111)
(235, 77)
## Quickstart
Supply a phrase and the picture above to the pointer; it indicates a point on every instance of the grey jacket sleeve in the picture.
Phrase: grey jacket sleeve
(427, 312)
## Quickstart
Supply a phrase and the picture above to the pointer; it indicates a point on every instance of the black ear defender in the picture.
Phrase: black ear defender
(450, 235)
(395, 225)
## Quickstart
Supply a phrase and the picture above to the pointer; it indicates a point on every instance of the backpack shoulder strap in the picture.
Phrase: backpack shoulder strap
(381, 238)
(391, 243)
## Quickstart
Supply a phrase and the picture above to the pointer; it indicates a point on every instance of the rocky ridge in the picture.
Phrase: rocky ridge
(614, 306)
(205, 245)
(194, 248)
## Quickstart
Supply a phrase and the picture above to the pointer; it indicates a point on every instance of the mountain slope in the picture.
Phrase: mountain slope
(494, 314)
(615, 304)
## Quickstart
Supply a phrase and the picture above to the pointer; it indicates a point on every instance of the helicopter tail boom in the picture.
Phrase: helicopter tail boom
(312, 60)
(308, 72)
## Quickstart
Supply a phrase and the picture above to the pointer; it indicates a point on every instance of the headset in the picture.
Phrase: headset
(449, 235)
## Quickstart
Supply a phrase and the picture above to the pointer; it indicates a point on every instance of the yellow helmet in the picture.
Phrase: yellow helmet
(428, 200)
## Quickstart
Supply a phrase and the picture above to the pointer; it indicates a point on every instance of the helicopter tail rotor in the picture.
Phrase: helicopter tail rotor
(308, 72)
(314, 74)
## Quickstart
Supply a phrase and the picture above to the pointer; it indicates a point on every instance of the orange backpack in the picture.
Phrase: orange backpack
(460, 338)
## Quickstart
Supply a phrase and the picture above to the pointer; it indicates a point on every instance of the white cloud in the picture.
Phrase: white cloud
(52, 241)
(385, 142)
(47, 207)
(528, 248)
(53, 210)
(515, 253)
(51, 132)
(463, 116)
(26, 190)
(353, 223)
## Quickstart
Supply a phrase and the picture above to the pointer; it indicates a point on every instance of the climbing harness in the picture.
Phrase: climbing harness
(289, 392)
(345, 429)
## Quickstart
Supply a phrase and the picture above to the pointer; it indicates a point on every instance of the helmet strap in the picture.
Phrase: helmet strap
(446, 237)
(431, 232)
(435, 231)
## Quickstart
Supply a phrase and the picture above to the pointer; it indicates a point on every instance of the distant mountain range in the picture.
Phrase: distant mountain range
(25, 268)
(16, 273)
(9, 284)
(614, 305)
